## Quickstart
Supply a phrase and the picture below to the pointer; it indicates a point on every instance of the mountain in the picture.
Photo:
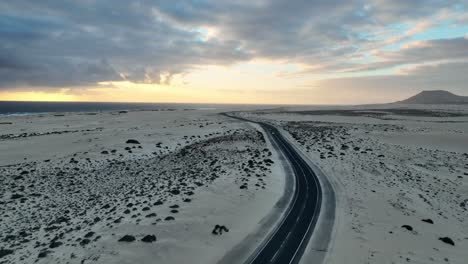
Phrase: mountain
(435, 97)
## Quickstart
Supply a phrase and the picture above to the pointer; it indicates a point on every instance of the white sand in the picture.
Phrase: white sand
(104, 180)
(406, 169)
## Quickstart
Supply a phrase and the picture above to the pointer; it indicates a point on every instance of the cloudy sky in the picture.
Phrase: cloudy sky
(245, 51)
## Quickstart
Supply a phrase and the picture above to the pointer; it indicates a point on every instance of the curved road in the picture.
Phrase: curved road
(287, 242)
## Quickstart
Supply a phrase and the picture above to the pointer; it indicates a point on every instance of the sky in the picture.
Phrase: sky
(244, 51)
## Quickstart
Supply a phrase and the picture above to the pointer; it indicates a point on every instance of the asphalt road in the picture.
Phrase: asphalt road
(288, 241)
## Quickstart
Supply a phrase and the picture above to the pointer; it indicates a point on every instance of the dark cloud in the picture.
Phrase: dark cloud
(61, 43)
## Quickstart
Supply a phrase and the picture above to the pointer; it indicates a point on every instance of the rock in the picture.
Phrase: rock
(149, 238)
(158, 203)
(223, 229)
(169, 218)
(132, 141)
(16, 196)
(447, 240)
(215, 230)
(175, 192)
(104, 152)
(151, 215)
(407, 227)
(84, 241)
(61, 219)
(4, 252)
(428, 221)
(43, 254)
(127, 238)
(55, 244)
(89, 234)
(174, 206)
(219, 229)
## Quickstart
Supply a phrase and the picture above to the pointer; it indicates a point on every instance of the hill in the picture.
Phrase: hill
(435, 97)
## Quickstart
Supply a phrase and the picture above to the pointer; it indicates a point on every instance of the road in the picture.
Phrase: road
(286, 244)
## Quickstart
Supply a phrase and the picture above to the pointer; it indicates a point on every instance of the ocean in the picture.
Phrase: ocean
(24, 108)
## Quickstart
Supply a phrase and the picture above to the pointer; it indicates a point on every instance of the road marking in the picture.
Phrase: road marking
(295, 159)
(289, 210)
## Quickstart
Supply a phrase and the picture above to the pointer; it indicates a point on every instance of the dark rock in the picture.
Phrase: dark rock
(61, 219)
(127, 238)
(84, 241)
(55, 244)
(89, 234)
(447, 240)
(16, 196)
(175, 191)
(43, 254)
(169, 218)
(105, 152)
(428, 221)
(132, 141)
(149, 238)
(9, 238)
(407, 227)
(219, 229)
(4, 252)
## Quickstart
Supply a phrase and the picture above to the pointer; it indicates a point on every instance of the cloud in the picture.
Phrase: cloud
(80, 43)
(444, 76)
(419, 52)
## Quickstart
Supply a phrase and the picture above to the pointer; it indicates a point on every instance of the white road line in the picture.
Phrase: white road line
(288, 213)
(294, 161)
(319, 198)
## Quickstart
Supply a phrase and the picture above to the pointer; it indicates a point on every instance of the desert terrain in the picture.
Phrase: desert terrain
(196, 186)
(134, 187)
